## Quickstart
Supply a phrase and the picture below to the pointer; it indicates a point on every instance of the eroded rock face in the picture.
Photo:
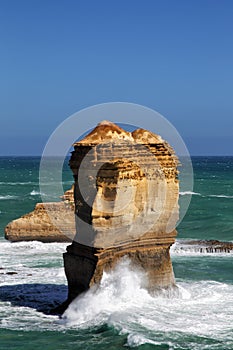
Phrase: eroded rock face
(126, 204)
(48, 222)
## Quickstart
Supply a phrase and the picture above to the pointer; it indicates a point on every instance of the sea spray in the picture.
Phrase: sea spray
(122, 302)
(199, 314)
(201, 317)
(120, 291)
(120, 296)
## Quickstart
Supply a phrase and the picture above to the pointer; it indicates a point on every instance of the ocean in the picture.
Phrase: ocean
(120, 314)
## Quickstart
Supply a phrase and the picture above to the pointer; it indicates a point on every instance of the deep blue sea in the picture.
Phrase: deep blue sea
(120, 314)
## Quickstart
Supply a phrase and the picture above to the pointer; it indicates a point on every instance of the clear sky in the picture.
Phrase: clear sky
(59, 56)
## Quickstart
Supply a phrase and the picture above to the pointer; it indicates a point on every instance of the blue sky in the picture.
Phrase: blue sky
(59, 56)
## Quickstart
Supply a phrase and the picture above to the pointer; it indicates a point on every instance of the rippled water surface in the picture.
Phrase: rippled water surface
(120, 314)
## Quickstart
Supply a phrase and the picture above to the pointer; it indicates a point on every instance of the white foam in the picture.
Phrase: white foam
(190, 193)
(30, 248)
(203, 308)
(18, 183)
(121, 301)
(35, 193)
(116, 289)
(220, 196)
(135, 340)
(36, 266)
(8, 197)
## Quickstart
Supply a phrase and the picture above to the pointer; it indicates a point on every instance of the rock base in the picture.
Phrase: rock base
(84, 266)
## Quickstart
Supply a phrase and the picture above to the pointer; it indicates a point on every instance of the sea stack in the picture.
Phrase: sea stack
(48, 222)
(126, 205)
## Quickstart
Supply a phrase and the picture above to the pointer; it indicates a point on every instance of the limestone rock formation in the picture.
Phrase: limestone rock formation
(48, 222)
(126, 204)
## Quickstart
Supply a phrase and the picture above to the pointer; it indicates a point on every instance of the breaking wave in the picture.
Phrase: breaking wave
(35, 193)
(220, 196)
(190, 193)
(6, 197)
(18, 183)
(122, 302)
(168, 318)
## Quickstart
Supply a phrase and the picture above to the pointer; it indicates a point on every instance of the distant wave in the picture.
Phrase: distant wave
(220, 196)
(11, 183)
(35, 193)
(32, 246)
(189, 193)
(38, 193)
(18, 183)
(7, 197)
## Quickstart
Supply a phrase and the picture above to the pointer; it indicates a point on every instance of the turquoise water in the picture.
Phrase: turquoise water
(210, 213)
(19, 186)
(120, 314)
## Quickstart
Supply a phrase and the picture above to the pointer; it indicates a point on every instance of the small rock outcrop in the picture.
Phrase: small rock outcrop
(202, 246)
(48, 222)
(126, 204)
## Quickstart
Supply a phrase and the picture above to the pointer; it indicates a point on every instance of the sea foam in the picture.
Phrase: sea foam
(190, 193)
(122, 302)
(6, 197)
(201, 309)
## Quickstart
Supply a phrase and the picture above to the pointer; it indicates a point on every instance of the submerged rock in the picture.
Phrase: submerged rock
(126, 204)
